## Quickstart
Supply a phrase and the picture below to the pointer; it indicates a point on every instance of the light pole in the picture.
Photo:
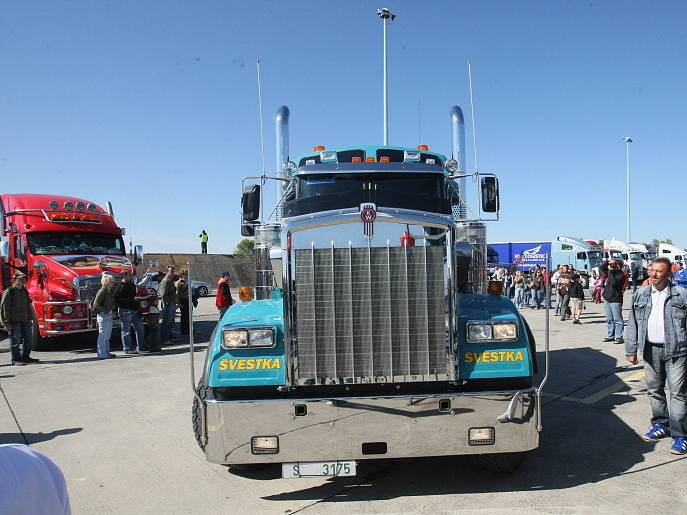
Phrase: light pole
(628, 140)
(386, 16)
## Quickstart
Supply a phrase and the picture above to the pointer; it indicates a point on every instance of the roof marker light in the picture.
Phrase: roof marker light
(319, 148)
(69, 205)
(423, 147)
(91, 208)
(411, 156)
(356, 159)
(384, 159)
(80, 206)
(370, 159)
(328, 156)
(53, 204)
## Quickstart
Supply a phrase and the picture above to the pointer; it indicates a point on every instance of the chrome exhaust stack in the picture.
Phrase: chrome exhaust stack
(282, 139)
(458, 151)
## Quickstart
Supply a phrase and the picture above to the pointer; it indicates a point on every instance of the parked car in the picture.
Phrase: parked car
(151, 280)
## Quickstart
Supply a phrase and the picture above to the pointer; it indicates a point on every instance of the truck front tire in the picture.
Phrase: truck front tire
(503, 462)
(197, 414)
(39, 343)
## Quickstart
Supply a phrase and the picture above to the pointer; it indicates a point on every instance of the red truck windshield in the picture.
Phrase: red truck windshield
(56, 243)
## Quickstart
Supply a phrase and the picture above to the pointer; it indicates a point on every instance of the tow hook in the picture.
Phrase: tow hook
(509, 414)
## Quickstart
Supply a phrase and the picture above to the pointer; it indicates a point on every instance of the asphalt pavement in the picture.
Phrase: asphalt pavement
(121, 431)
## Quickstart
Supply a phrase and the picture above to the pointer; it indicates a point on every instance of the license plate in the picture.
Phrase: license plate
(317, 469)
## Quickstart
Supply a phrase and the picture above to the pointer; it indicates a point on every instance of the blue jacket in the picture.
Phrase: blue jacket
(674, 319)
(681, 278)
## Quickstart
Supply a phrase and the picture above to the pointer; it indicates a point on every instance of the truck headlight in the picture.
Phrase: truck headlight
(232, 339)
(248, 338)
(67, 310)
(261, 338)
(506, 331)
(479, 332)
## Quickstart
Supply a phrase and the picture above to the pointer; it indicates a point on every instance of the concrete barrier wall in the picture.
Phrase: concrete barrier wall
(207, 267)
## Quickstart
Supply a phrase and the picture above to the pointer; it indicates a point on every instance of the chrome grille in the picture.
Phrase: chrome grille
(88, 286)
(372, 314)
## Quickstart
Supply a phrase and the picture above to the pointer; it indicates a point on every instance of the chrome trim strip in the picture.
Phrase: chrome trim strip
(411, 397)
(72, 331)
(65, 320)
(352, 215)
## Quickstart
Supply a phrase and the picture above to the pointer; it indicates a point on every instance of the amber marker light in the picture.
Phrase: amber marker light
(384, 159)
(245, 293)
(370, 159)
(423, 147)
(356, 159)
(319, 148)
(495, 287)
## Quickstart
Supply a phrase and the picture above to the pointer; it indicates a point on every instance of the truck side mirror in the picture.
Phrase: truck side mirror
(138, 254)
(490, 194)
(5, 248)
(250, 203)
(247, 229)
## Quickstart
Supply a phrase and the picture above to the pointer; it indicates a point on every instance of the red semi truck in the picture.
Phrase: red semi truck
(64, 245)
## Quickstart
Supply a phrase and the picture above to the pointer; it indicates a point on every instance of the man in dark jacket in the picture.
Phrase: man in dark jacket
(657, 331)
(613, 302)
(17, 318)
(168, 293)
(125, 298)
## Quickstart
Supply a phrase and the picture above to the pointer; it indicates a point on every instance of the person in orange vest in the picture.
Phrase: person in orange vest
(223, 300)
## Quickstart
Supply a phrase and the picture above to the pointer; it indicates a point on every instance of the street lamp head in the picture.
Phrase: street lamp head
(627, 139)
(385, 14)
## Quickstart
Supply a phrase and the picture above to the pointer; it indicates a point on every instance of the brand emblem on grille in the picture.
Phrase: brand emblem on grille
(368, 215)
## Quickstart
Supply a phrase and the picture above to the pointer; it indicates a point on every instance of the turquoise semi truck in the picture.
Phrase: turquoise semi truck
(373, 333)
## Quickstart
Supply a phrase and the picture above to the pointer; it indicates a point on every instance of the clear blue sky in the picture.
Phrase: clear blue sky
(153, 105)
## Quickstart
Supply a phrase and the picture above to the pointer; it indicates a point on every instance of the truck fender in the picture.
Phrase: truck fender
(533, 346)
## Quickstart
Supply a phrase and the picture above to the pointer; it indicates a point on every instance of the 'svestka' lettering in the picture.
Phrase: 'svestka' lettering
(493, 356)
(249, 364)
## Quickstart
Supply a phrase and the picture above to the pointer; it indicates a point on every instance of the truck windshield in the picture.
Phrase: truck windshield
(56, 243)
(418, 191)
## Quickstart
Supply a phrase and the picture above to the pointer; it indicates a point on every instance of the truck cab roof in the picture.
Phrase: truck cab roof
(33, 212)
(385, 157)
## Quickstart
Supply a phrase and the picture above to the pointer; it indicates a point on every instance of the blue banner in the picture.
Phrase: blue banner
(527, 255)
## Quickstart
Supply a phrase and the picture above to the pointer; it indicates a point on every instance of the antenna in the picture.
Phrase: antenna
(472, 116)
(386, 16)
(419, 141)
(262, 140)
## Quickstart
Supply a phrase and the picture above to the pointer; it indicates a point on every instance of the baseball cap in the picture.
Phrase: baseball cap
(19, 275)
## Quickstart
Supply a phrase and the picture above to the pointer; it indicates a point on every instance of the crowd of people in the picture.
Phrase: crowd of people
(117, 298)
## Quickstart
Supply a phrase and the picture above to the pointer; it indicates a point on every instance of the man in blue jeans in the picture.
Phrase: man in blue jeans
(16, 316)
(657, 331)
(613, 301)
(125, 298)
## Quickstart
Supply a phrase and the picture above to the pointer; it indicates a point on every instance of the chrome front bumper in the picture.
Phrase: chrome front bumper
(336, 429)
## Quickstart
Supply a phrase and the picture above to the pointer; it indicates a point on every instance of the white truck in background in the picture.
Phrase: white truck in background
(675, 254)
(632, 253)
